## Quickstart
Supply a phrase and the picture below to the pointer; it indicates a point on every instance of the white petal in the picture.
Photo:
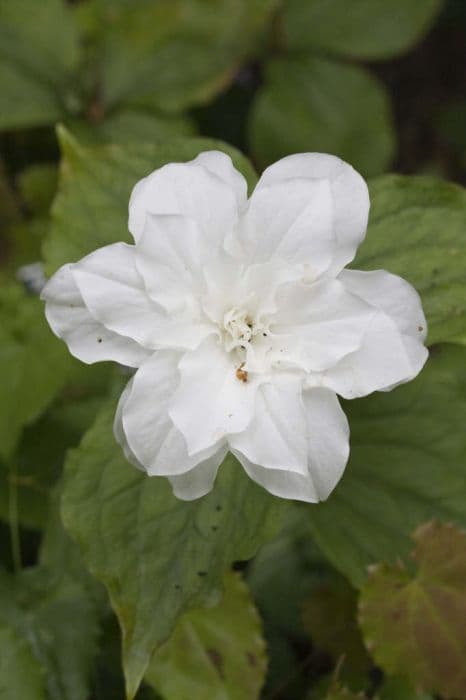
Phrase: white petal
(114, 292)
(276, 436)
(210, 401)
(149, 431)
(327, 440)
(326, 433)
(392, 351)
(86, 337)
(200, 480)
(319, 323)
(118, 429)
(349, 194)
(169, 259)
(188, 189)
(292, 220)
(222, 166)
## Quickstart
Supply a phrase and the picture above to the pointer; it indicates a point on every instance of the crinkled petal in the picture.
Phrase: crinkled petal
(86, 337)
(291, 220)
(200, 480)
(190, 190)
(210, 401)
(392, 351)
(276, 436)
(114, 292)
(318, 324)
(326, 433)
(170, 259)
(150, 433)
(327, 440)
(221, 165)
(349, 194)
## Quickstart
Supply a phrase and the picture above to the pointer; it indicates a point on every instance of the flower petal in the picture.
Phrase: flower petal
(169, 259)
(118, 430)
(114, 293)
(149, 431)
(210, 401)
(292, 220)
(327, 440)
(188, 189)
(221, 165)
(200, 480)
(276, 436)
(349, 194)
(319, 323)
(86, 337)
(392, 351)
(326, 434)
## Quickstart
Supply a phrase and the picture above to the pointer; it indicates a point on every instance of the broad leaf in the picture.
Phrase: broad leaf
(368, 29)
(219, 651)
(34, 366)
(417, 229)
(54, 613)
(407, 465)
(414, 623)
(38, 51)
(20, 673)
(91, 209)
(315, 104)
(157, 556)
(396, 688)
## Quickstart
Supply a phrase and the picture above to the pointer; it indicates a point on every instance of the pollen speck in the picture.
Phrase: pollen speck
(241, 374)
(420, 329)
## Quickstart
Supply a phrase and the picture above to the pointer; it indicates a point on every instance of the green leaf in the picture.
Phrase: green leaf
(132, 126)
(34, 366)
(38, 51)
(399, 689)
(91, 208)
(370, 29)
(175, 54)
(316, 104)
(57, 617)
(157, 556)
(20, 674)
(417, 230)
(407, 465)
(37, 185)
(414, 623)
(219, 651)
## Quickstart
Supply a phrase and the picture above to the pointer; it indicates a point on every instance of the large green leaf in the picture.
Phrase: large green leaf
(91, 208)
(417, 229)
(54, 613)
(361, 28)
(20, 673)
(175, 53)
(316, 104)
(38, 51)
(407, 464)
(157, 556)
(34, 366)
(219, 652)
(414, 623)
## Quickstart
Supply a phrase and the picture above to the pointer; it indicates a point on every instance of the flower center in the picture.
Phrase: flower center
(238, 329)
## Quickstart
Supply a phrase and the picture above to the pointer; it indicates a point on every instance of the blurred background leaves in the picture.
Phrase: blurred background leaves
(134, 84)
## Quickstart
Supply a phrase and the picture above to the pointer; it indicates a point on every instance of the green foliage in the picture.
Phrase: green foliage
(397, 688)
(414, 623)
(316, 104)
(371, 29)
(416, 230)
(216, 653)
(20, 674)
(152, 551)
(34, 366)
(91, 208)
(34, 605)
(407, 465)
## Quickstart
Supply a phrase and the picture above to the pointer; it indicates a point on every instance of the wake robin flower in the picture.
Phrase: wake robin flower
(242, 322)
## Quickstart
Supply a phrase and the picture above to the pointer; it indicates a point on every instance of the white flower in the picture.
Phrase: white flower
(241, 322)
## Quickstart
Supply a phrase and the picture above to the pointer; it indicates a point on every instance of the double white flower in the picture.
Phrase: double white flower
(241, 322)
